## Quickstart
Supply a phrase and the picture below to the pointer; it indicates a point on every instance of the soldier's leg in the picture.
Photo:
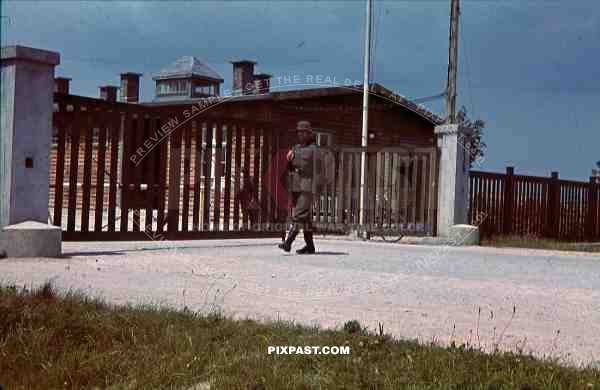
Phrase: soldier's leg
(295, 229)
(305, 201)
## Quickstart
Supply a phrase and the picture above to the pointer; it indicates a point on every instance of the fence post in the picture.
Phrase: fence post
(553, 220)
(592, 205)
(25, 143)
(508, 201)
(453, 177)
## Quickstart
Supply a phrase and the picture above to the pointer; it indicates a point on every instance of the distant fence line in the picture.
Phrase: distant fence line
(542, 207)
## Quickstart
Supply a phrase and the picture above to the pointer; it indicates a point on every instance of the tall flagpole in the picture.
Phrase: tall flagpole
(365, 119)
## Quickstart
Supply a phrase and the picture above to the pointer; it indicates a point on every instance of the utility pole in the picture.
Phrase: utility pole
(365, 120)
(452, 62)
(5, 31)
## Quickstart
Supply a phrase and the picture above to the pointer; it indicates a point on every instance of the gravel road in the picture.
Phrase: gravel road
(543, 302)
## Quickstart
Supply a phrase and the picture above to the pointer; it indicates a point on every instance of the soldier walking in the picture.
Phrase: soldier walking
(303, 158)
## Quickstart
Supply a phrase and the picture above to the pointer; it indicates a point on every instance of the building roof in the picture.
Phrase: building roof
(375, 89)
(185, 67)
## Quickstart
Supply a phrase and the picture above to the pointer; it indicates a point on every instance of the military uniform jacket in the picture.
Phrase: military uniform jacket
(304, 168)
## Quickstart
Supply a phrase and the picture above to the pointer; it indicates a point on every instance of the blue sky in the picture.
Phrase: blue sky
(530, 69)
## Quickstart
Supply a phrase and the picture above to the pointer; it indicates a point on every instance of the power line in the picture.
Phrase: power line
(429, 98)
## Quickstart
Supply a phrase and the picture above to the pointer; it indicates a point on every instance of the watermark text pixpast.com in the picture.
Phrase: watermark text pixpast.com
(308, 350)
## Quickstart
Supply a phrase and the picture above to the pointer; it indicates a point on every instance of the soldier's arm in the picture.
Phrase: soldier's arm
(295, 162)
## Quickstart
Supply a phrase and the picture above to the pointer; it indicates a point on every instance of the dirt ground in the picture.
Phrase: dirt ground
(543, 302)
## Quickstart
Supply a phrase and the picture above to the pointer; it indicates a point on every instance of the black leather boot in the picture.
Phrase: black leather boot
(287, 245)
(309, 248)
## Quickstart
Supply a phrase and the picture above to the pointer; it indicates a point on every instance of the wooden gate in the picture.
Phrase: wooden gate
(401, 191)
(131, 172)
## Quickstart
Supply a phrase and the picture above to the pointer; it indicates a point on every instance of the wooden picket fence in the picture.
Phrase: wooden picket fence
(189, 183)
(401, 183)
(540, 207)
(187, 188)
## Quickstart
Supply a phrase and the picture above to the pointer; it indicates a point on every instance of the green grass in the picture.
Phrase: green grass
(539, 243)
(51, 340)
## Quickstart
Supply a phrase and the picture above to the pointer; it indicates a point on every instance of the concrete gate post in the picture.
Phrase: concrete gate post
(453, 184)
(25, 141)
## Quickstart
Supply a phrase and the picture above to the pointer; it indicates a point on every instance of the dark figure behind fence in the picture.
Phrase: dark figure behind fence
(248, 199)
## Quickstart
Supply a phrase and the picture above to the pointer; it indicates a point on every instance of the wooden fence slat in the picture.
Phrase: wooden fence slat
(426, 191)
(227, 191)
(348, 191)
(509, 203)
(254, 163)
(126, 169)
(423, 189)
(497, 204)
(260, 155)
(372, 180)
(237, 175)
(413, 202)
(339, 187)
(174, 199)
(100, 173)
(218, 161)
(378, 201)
(246, 167)
(270, 180)
(527, 221)
(571, 206)
(382, 174)
(522, 207)
(115, 133)
(206, 171)
(163, 148)
(332, 191)
(187, 160)
(486, 204)
(150, 173)
(386, 188)
(406, 189)
(580, 215)
(596, 205)
(545, 216)
(537, 208)
(136, 168)
(431, 195)
(591, 211)
(472, 208)
(554, 206)
(73, 169)
(492, 202)
(64, 118)
(198, 164)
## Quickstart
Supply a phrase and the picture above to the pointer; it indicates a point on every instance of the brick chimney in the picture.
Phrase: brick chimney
(262, 83)
(130, 87)
(61, 85)
(108, 93)
(243, 71)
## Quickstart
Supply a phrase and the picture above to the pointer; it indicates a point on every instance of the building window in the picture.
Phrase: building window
(172, 87)
(324, 137)
(203, 90)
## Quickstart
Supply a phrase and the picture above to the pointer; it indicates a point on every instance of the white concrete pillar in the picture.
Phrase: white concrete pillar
(26, 133)
(453, 179)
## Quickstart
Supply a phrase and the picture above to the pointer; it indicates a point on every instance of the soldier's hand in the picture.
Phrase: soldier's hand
(290, 155)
